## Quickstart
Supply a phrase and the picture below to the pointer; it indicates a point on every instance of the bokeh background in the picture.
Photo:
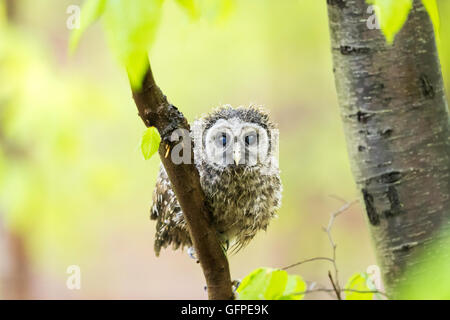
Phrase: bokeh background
(75, 189)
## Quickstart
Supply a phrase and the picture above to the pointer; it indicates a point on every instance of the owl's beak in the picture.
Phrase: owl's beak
(236, 156)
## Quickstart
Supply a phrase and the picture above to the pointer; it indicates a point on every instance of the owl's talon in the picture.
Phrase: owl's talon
(191, 252)
(227, 246)
(235, 285)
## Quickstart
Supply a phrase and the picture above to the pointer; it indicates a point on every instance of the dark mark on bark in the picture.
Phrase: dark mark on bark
(373, 88)
(388, 214)
(390, 177)
(405, 247)
(386, 133)
(361, 116)
(427, 87)
(387, 100)
(370, 208)
(364, 132)
(394, 201)
(340, 3)
(385, 178)
(349, 50)
(361, 148)
(384, 164)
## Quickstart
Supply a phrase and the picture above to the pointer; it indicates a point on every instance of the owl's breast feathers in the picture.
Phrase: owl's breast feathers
(242, 203)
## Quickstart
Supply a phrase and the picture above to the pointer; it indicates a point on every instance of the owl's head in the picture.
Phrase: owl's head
(236, 138)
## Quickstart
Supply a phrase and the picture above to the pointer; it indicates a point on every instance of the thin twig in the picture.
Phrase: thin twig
(335, 214)
(334, 196)
(337, 290)
(330, 290)
(307, 260)
(315, 286)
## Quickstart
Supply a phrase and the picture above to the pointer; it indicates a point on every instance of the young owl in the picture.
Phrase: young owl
(235, 152)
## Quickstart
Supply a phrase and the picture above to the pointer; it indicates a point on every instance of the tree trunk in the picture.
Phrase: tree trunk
(14, 272)
(396, 122)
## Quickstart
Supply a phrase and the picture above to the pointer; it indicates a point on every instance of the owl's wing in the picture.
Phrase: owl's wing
(171, 228)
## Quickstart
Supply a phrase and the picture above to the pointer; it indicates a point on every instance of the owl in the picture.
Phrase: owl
(235, 152)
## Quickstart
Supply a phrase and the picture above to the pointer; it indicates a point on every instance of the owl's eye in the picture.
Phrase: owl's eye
(250, 139)
(222, 139)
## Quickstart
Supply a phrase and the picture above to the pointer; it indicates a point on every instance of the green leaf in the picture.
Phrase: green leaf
(433, 12)
(131, 28)
(271, 284)
(150, 142)
(295, 285)
(191, 7)
(277, 284)
(358, 281)
(254, 285)
(392, 15)
(90, 12)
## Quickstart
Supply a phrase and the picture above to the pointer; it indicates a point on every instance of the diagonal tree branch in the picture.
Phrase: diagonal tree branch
(155, 110)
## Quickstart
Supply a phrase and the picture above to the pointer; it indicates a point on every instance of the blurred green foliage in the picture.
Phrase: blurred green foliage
(131, 27)
(50, 171)
(92, 10)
